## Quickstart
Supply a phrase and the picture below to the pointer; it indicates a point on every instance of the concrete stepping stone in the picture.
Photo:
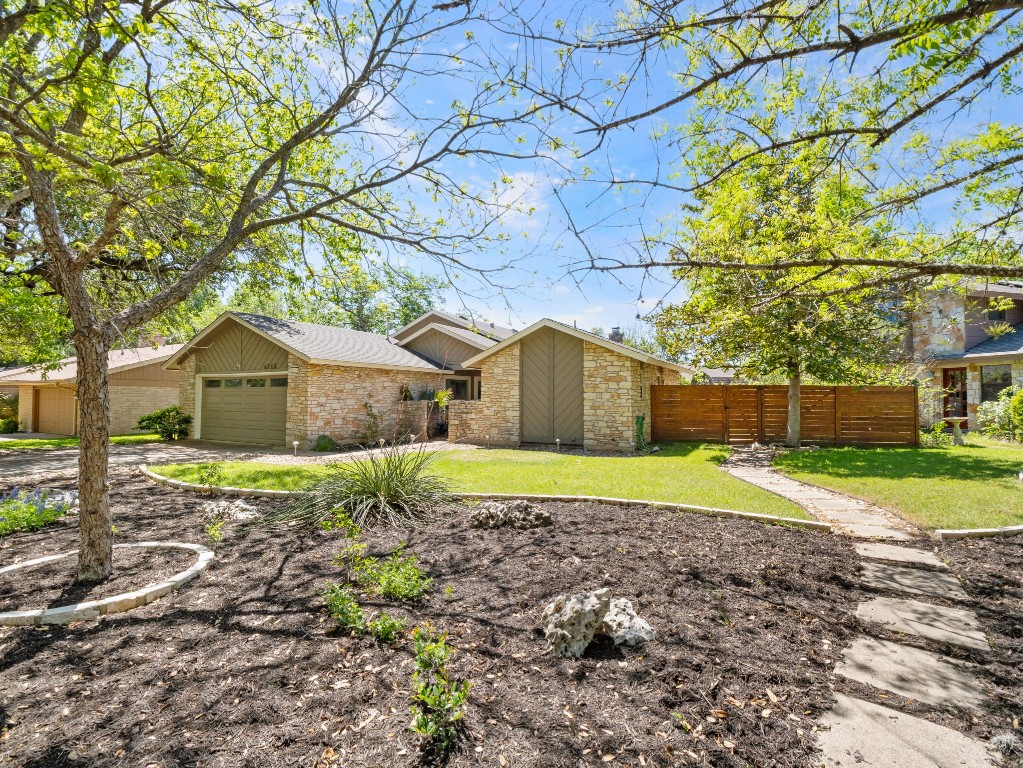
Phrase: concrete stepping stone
(865, 734)
(876, 532)
(935, 622)
(897, 554)
(915, 581)
(864, 518)
(911, 672)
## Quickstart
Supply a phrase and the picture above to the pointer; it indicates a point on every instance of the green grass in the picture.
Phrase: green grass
(41, 444)
(686, 473)
(971, 486)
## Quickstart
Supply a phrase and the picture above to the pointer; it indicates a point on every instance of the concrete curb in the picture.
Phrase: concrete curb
(978, 533)
(253, 492)
(125, 601)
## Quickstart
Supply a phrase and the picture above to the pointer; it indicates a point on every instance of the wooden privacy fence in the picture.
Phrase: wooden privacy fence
(746, 414)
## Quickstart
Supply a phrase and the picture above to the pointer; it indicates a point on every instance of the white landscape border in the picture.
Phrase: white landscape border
(125, 601)
(711, 511)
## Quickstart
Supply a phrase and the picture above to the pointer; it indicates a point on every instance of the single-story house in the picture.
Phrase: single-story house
(553, 382)
(139, 385)
(253, 379)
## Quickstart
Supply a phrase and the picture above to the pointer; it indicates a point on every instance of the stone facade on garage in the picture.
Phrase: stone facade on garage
(616, 389)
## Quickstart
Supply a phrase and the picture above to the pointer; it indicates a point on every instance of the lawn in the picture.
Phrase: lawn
(39, 444)
(971, 486)
(683, 474)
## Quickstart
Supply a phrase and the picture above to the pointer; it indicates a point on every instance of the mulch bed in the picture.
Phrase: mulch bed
(244, 668)
(50, 585)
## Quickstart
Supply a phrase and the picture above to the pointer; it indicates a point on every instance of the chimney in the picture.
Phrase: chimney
(617, 335)
(159, 339)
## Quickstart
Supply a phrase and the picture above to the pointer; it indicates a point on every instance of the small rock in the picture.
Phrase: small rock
(229, 510)
(570, 622)
(624, 626)
(518, 514)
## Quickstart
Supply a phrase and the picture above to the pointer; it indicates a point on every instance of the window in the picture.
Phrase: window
(954, 384)
(213, 383)
(993, 379)
(232, 383)
(281, 382)
(459, 388)
(255, 382)
(996, 315)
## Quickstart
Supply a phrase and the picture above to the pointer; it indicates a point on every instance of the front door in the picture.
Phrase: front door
(954, 385)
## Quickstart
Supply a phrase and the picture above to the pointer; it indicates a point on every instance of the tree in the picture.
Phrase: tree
(153, 148)
(814, 321)
(921, 100)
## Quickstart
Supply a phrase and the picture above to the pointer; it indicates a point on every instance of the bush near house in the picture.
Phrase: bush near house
(8, 406)
(169, 423)
(8, 426)
(995, 417)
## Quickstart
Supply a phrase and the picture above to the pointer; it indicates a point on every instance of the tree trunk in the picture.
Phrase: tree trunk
(95, 524)
(792, 435)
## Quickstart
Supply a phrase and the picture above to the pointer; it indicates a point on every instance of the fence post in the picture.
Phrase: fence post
(838, 419)
(916, 415)
(760, 415)
(724, 415)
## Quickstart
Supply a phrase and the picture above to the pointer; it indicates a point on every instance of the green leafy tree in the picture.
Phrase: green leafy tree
(812, 322)
(151, 149)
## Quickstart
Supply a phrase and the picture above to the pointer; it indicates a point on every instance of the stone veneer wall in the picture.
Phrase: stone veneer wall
(186, 385)
(494, 419)
(941, 328)
(332, 399)
(610, 397)
(414, 418)
(26, 411)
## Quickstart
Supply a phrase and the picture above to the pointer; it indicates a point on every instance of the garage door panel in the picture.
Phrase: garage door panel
(244, 414)
(552, 387)
(568, 388)
(56, 414)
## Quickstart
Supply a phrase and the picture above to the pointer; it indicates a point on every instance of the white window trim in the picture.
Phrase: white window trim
(467, 380)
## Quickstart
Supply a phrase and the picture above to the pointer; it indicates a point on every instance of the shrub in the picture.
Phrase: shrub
(1016, 414)
(345, 608)
(325, 443)
(8, 426)
(169, 423)
(8, 406)
(215, 531)
(397, 577)
(371, 429)
(27, 511)
(209, 473)
(994, 417)
(438, 703)
(391, 488)
(386, 628)
(935, 437)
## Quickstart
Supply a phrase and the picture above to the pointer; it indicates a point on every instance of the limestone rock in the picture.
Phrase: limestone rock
(624, 626)
(570, 622)
(235, 509)
(517, 514)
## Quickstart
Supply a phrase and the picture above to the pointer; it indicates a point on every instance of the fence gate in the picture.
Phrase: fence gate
(739, 414)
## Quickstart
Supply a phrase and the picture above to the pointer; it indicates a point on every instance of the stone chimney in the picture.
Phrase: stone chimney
(616, 335)
(159, 340)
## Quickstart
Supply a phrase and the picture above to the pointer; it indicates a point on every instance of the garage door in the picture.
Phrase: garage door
(250, 409)
(552, 388)
(56, 412)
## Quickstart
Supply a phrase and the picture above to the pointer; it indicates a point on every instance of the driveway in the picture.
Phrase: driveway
(14, 465)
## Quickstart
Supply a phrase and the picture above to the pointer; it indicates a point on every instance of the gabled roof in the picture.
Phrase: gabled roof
(322, 344)
(67, 370)
(447, 319)
(462, 334)
(614, 346)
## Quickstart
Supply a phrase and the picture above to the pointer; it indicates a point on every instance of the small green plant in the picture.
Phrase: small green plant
(386, 628)
(209, 473)
(438, 702)
(8, 426)
(169, 423)
(28, 510)
(427, 394)
(442, 397)
(449, 592)
(215, 531)
(344, 608)
(935, 437)
(1016, 415)
(397, 577)
(326, 443)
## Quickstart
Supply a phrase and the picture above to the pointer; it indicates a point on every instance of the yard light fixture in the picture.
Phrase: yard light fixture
(381, 442)
(295, 446)
(557, 442)
(488, 442)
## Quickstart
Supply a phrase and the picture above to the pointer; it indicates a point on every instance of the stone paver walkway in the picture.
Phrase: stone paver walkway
(853, 517)
(863, 733)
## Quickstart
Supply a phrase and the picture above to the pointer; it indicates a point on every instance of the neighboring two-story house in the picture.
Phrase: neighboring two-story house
(962, 362)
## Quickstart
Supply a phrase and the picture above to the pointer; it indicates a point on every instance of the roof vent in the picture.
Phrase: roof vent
(616, 335)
